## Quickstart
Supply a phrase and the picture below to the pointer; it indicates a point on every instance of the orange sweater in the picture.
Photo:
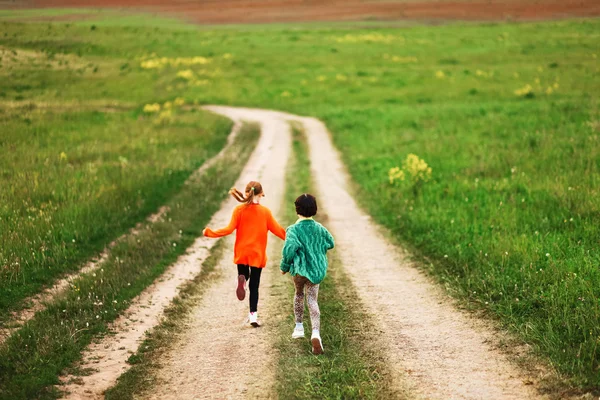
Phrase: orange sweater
(252, 223)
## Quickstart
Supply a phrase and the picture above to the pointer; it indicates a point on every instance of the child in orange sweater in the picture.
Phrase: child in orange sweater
(252, 222)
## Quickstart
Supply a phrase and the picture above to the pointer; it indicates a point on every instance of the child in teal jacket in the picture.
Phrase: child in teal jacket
(305, 258)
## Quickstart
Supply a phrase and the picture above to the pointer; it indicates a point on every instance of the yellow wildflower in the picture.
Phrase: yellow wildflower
(395, 174)
(341, 77)
(164, 116)
(150, 64)
(63, 156)
(549, 90)
(413, 167)
(321, 78)
(404, 60)
(179, 102)
(227, 56)
(440, 75)
(161, 62)
(285, 94)
(525, 90)
(168, 105)
(187, 74)
(152, 108)
(417, 168)
(366, 38)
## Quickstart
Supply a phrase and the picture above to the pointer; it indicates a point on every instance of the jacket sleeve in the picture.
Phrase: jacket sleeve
(290, 248)
(224, 231)
(274, 226)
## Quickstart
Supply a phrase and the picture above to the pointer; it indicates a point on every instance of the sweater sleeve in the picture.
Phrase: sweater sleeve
(328, 239)
(274, 226)
(224, 231)
(290, 248)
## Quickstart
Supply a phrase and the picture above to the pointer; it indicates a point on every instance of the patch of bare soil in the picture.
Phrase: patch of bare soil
(266, 11)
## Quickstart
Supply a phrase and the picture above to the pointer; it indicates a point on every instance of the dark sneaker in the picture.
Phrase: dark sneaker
(241, 288)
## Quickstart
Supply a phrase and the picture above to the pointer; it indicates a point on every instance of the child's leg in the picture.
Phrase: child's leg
(254, 283)
(244, 270)
(312, 295)
(299, 282)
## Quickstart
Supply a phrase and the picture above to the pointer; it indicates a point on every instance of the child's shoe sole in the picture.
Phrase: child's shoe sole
(317, 346)
(255, 324)
(241, 290)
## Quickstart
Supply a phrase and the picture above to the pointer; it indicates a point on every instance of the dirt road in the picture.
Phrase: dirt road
(434, 349)
(442, 352)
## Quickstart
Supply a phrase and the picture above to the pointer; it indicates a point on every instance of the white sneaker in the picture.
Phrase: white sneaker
(298, 332)
(317, 344)
(253, 319)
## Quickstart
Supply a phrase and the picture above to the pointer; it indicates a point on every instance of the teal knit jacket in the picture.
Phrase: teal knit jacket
(305, 250)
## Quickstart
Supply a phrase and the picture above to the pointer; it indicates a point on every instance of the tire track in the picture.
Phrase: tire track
(219, 355)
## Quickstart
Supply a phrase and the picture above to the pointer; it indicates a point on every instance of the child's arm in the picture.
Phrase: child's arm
(274, 226)
(223, 231)
(290, 248)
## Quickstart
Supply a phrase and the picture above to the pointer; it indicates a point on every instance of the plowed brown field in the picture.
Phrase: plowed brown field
(244, 11)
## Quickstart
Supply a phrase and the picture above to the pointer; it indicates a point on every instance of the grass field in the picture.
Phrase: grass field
(75, 180)
(506, 116)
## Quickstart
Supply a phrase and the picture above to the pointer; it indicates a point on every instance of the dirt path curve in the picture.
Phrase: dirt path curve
(219, 356)
(108, 356)
(442, 353)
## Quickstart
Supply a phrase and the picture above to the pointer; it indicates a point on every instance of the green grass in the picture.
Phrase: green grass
(514, 177)
(351, 368)
(32, 358)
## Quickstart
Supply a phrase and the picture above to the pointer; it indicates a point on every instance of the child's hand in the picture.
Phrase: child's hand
(204, 232)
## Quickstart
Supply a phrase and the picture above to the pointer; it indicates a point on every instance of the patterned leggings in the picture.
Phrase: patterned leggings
(312, 294)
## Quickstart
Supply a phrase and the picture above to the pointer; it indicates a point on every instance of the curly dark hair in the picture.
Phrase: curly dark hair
(306, 205)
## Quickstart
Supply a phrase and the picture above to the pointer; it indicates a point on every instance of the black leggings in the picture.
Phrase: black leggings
(253, 274)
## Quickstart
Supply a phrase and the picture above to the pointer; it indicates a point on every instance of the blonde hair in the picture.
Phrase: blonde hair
(253, 189)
